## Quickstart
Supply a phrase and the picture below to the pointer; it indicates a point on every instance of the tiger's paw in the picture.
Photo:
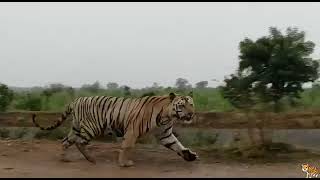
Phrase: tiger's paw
(126, 164)
(188, 155)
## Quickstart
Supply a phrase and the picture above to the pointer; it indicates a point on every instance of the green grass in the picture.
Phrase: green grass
(206, 99)
(209, 99)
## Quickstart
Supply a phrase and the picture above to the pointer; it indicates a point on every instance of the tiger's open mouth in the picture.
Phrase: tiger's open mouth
(187, 119)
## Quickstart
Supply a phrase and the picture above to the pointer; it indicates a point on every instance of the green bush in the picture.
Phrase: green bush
(29, 101)
(6, 96)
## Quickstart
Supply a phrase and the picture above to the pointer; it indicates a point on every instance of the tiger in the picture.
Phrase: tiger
(310, 170)
(130, 118)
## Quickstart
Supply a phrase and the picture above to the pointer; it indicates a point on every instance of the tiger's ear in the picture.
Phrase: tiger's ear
(172, 96)
(190, 94)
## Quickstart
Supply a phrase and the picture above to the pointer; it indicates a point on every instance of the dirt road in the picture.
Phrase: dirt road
(40, 158)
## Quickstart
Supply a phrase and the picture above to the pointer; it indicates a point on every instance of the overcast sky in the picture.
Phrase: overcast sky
(136, 44)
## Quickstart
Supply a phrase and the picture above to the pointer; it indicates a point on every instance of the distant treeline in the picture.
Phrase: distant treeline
(56, 96)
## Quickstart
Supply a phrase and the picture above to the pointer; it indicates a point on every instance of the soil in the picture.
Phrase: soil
(41, 158)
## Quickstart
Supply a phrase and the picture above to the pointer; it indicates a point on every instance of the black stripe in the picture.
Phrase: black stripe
(158, 118)
(76, 130)
(93, 127)
(88, 120)
(82, 137)
(65, 139)
(119, 112)
(89, 124)
(165, 122)
(97, 111)
(112, 111)
(169, 144)
(124, 111)
(132, 108)
(104, 111)
(142, 106)
(160, 99)
(167, 129)
(85, 107)
(95, 115)
(87, 132)
(108, 110)
(94, 112)
(90, 104)
(89, 113)
(165, 136)
(142, 125)
(150, 120)
(79, 108)
(100, 118)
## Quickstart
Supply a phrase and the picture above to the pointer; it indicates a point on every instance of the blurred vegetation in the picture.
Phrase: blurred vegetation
(56, 96)
(6, 96)
(205, 98)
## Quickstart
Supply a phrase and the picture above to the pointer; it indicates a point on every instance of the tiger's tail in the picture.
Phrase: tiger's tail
(64, 116)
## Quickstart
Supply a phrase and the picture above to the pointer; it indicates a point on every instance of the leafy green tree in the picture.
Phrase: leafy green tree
(6, 96)
(126, 91)
(56, 87)
(182, 84)
(94, 88)
(239, 92)
(202, 84)
(271, 68)
(278, 65)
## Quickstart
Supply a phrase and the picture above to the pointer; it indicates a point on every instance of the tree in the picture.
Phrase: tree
(112, 85)
(182, 84)
(278, 65)
(271, 68)
(56, 87)
(202, 84)
(6, 96)
(239, 92)
(126, 90)
(94, 88)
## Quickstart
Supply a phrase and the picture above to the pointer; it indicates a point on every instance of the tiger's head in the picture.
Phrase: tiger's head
(182, 107)
(305, 167)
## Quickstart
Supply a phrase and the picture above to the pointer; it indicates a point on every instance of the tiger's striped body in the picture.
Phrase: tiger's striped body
(129, 117)
(310, 170)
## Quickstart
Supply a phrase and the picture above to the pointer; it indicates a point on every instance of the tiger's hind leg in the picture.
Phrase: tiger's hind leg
(84, 151)
(66, 143)
(82, 140)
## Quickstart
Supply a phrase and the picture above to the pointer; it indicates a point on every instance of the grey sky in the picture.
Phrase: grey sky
(136, 43)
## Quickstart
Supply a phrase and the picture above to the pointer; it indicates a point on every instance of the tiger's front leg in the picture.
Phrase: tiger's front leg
(126, 148)
(168, 140)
